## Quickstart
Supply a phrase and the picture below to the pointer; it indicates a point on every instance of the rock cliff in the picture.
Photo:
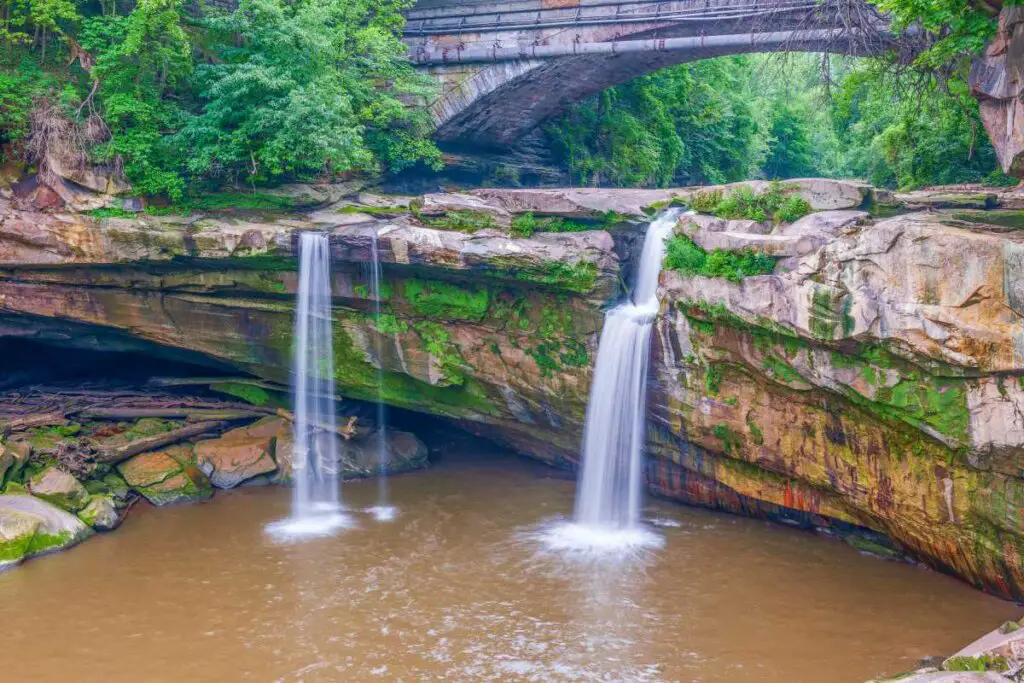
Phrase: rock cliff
(872, 385)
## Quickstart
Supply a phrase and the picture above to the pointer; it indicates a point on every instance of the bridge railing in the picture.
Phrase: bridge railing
(670, 11)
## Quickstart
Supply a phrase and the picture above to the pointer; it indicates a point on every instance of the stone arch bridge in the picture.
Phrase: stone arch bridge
(506, 65)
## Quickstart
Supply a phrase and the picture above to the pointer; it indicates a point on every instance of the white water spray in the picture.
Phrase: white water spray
(316, 503)
(608, 495)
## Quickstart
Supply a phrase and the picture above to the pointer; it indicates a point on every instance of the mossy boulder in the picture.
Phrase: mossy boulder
(165, 477)
(59, 488)
(30, 526)
(100, 513)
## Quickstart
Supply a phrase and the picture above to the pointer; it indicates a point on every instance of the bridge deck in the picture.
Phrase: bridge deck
(530, 16)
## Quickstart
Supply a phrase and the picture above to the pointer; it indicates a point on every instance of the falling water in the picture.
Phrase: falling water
(609, 492)
(383, 511)
(316, 504)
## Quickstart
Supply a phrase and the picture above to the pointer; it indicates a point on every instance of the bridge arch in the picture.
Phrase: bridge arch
(504, 67)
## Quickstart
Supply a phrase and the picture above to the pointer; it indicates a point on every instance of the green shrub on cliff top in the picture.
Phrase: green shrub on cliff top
(685, 256)
(776, 204)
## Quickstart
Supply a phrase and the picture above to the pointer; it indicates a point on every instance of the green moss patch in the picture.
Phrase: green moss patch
(524, 225)
(459, 221)
(436, 299)
(249, 393)
(985, 662)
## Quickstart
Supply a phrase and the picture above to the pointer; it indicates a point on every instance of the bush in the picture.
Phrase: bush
(685, 256)
(773, 204)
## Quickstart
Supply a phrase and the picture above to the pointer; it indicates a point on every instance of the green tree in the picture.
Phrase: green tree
(900, 133)
(304, 87)
(141, 59)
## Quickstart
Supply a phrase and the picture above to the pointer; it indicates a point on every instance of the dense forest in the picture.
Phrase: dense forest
(778, 116)
(185, 100)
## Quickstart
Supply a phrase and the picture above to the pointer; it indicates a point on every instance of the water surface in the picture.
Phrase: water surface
(454, 589)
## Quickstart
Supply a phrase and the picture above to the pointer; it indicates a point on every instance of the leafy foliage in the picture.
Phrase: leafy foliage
(688, 124)
(896, 133)
(275, 90)
(685, 256)
(776, 117)
(777, 204)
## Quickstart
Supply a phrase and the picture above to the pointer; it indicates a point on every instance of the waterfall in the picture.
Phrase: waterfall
(610, 488)
(316, 503)
(383, 511)
(611, 481)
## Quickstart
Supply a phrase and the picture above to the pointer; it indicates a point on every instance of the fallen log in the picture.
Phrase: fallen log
(201, 381)
(191, 414)
(112, 456)
(35, 420)
(346, 430)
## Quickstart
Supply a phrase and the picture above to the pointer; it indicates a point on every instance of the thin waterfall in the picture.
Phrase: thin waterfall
(316, 502)
(610, 487)
(383, 511)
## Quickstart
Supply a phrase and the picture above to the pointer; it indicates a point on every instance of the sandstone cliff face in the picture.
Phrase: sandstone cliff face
(876, 384)
(871, 385)
(479, 327)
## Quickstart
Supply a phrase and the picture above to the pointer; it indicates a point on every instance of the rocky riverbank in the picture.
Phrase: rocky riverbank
(867, 385)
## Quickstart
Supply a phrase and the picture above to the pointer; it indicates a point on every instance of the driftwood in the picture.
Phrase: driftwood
(112, 456)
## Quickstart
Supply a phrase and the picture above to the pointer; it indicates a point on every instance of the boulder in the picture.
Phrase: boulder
(946, 198)
(358, 456)
(284, 442)
(383, 201)
(30, 526)
(100, 513)
(59, 488)
(7, 462)
(165, 477)
(817, 229)
(823, 225)
(305, 196)
(773, 245)
(1006, 643)
(441, 203)
(823, 194)
(17, 530)
(703, 222)
(404, 450)
(98, 178)
(240, 454)
(935, 676)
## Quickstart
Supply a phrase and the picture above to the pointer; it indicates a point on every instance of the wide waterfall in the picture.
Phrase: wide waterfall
(316, 504)
(383, 511)
(610, 487)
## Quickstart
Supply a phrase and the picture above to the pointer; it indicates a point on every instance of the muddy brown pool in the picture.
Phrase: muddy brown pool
(456, 589)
